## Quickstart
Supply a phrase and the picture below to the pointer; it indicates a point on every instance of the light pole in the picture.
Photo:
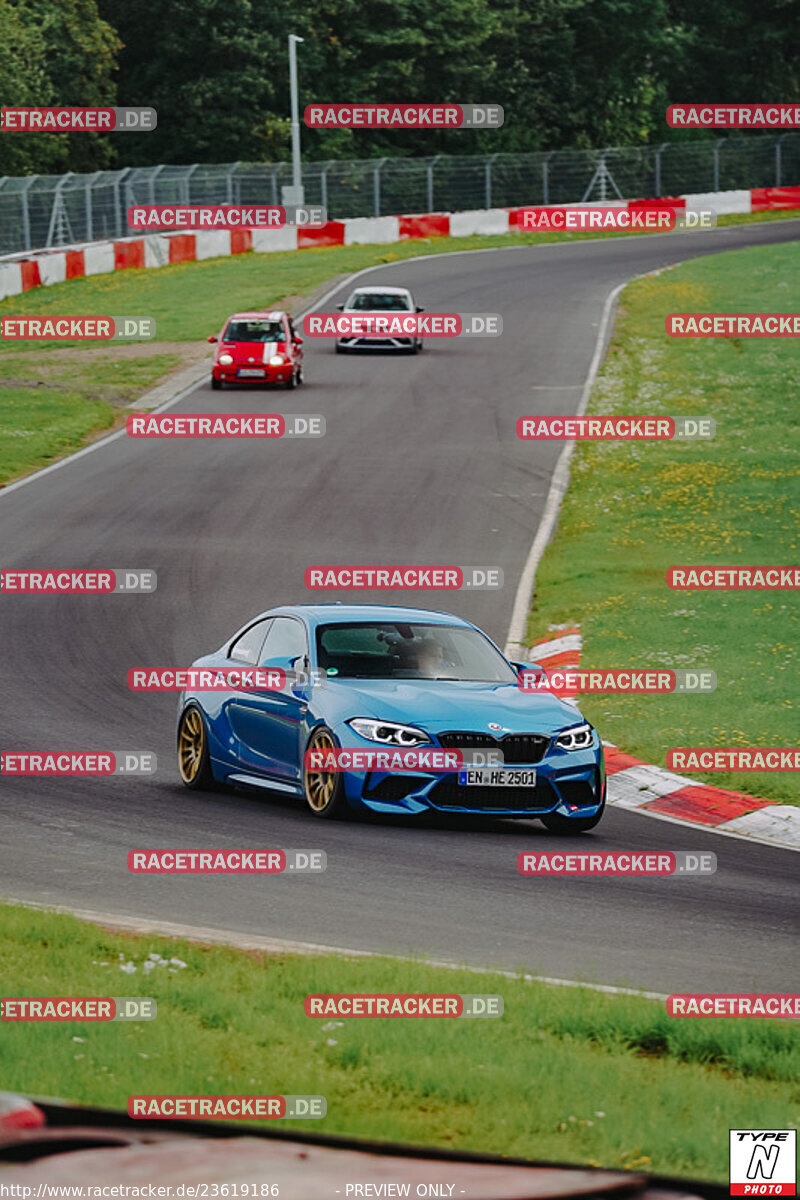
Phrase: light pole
(294, 194)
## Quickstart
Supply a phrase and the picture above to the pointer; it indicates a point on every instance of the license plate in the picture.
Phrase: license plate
(251, 372)
(497, 777)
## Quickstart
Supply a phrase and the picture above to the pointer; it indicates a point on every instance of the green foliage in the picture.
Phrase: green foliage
(569, 73)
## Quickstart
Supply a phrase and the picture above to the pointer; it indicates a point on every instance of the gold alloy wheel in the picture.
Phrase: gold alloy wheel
(320, 785)
(191, 744)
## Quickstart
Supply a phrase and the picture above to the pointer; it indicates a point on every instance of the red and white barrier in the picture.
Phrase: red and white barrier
(46, 267)
(658, 792)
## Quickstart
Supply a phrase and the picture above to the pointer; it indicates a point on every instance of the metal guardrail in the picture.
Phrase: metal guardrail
(43, 211)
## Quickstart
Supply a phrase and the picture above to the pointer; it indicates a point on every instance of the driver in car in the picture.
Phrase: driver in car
(430, 659)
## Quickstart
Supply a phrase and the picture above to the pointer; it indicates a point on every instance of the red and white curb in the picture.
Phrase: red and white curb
(21, 273)
(656, 792)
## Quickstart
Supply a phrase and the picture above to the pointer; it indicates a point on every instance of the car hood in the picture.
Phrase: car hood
(261, 352)
(441, 704)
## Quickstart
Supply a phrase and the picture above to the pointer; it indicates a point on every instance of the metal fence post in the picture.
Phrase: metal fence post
(717, 145)
(487, 170)
(323, 183)
(431, 164)
(657, 180)
(778, 162)
(185, 183)
(376, 186)
(26, 215)
(88, 205)
(546, 177)
(117, 205)
(156, 171)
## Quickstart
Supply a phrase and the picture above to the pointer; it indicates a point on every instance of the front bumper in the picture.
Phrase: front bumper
(569, 783)
(373, 343)
(266, 374)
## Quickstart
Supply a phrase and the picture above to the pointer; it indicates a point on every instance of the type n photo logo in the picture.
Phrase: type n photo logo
(763, 1162)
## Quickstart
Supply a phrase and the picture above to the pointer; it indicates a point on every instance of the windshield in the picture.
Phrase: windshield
(379, 302)
(254, 331)
(398, 650)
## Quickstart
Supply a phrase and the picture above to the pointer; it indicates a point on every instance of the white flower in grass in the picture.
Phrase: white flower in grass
(128, 967)
(79, 1039)
(332, 1025)
(331, 1042)
(177, 962)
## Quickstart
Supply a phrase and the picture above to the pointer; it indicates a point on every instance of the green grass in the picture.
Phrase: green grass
(633, 510)
(38, 425)
(189, 302)
(566, 1074)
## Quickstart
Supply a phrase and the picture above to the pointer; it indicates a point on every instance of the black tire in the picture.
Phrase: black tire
(300, 376)
(324, 790)
(568, 826)
(340, 349)
(194, 761)
(291, 382)
(216, 384)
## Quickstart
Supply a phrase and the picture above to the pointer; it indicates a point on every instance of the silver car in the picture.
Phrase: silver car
(377, 298)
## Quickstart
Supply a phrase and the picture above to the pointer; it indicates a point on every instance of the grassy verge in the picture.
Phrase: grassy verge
(633, 510)
(568, 1075)
(189, 301)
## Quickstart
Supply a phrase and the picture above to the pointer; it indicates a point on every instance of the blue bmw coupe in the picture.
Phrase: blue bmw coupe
(365, 677)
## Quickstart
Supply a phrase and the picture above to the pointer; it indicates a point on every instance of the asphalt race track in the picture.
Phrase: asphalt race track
(420, 465)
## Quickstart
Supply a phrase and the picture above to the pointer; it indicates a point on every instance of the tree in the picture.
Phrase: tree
(208, 67)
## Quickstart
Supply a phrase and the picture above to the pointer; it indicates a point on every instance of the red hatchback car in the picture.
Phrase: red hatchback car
(258, 347)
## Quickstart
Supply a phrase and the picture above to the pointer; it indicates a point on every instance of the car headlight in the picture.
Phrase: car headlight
(277, 360)
(576, 738)
(388, 732)
(226, 359)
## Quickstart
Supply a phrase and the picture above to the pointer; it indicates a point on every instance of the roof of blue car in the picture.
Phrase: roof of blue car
(323, 614)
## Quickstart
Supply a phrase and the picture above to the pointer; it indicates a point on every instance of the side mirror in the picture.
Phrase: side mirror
(295, 668)
(211, 339)
(298, 341)
(340, 308)
(526, 668)
(420, 308)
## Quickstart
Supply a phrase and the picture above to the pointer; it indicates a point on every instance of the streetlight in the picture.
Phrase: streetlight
(294, 194)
